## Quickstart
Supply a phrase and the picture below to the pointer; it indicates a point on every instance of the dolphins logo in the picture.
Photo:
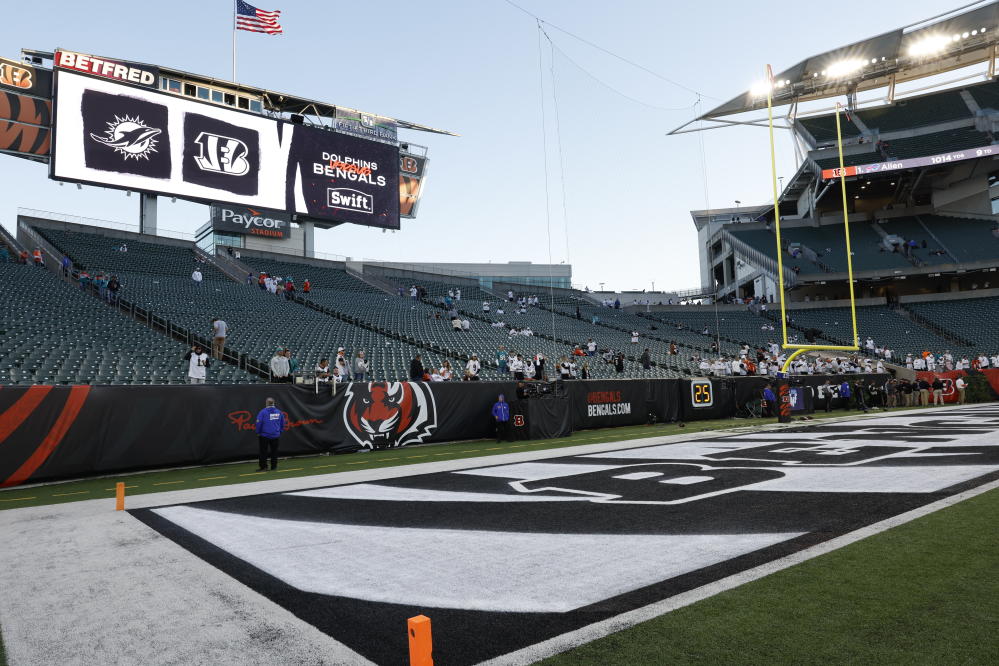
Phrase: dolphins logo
(129, 136)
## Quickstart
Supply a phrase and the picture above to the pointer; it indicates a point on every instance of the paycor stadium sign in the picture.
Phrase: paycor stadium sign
(250, 221)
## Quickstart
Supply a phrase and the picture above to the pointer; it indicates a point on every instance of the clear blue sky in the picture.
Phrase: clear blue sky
(472, 67)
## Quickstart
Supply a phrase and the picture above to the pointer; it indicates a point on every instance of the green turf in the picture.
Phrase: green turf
(926, 592)
(220, 475)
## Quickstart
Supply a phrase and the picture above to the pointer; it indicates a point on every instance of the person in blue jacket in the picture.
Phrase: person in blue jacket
(769, 402)
(845, 393)
(501, 414)
(270, 425)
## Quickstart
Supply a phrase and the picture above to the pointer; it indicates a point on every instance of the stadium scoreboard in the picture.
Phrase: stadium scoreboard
(114, 128)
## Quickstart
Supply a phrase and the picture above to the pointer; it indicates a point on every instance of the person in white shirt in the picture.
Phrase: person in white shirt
(197, 277)
(445, 372)
(323, 371)
(472, 368)
(280, 368)
(219, 332)
(563, 368)
(414, 292)
(360, 367)
(456, 324)
(457, 294)
(465, 325)
(960, 385)
(436, 377)
(527, 331)
(591, 347)
(485, 307)
(983, 361)
(704, 367)
(517, 367)
(509, 295)
(197, 368)
(634, 337)
(880, 367)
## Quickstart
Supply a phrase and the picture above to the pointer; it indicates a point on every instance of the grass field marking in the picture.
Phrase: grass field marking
(167, 483)
(494, 448)
(17, 499)
(421, 456)
(291, 469)
(126, 487)
(590, 633)
(79, 492)
(358, 462)
(322, 466)
(212, 478)
(253, 474)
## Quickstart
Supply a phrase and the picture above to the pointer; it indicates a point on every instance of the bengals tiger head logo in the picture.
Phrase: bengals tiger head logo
(382, 415)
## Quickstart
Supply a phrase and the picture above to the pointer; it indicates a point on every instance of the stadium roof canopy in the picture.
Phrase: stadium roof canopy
(273, 101)
(960, 38)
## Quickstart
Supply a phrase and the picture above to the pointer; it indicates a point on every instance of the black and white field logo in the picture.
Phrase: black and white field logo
(125, 134)
(220, 155)
(344, 198)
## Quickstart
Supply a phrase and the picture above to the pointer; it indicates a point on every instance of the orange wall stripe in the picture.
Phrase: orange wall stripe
(74, 403)
(15, 415)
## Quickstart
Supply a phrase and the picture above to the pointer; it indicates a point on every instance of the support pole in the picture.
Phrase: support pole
(119, 503)
(234, 13)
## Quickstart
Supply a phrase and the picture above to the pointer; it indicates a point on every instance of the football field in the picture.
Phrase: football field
(519, 556)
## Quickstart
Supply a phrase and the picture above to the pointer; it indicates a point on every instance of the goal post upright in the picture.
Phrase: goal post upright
(796, 349)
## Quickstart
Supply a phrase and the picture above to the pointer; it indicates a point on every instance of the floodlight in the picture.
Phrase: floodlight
(845, 67)
(965, 35)
(928, 46)
(760, 89)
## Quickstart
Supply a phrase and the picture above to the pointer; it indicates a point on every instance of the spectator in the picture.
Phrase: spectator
(197, 369)
(289, 289)
(563, 368)
(270, 424)
(646, 360)
(197, 277)
(445, 372)
(619, 363)
(341, 364)
(501, 358)
(634, 337)
(465, 325)
(584, 371)
(485, 307)
(306, 287)
(457, 295)
(262, 282)
(323, 370)
(66, 263)
(114, 286)
(220, 330)
(360, 367)
(517, 367)
(249, 278)
(414, 293)
(5, 256)
(280, 369)
(23, 257)
(472, 368)
(292, 363)
(501, 415)
(858, 396)
(39, 260)
(456, 324)
(591, 347)
(123, 248)
(416, 369)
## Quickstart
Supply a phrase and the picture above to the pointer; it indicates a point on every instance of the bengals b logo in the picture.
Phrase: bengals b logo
(408, 164)
(17, 77)
(518, 420)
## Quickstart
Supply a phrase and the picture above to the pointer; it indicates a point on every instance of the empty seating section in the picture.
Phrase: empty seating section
(916, 112)
(829, 244)
(968, 240)
(823, 128)
(884, 325)
(51, 332)
(259, 323)
(972, 318)
(914, 146)
(987, 95)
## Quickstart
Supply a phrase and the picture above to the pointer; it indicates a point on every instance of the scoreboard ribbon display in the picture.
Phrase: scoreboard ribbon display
(116, 135)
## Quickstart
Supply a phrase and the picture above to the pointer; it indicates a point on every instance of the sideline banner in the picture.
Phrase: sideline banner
(52, 432)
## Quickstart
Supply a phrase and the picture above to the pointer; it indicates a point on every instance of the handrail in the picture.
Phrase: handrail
(96, 222)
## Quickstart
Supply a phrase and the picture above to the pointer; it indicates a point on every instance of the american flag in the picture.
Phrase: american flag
(251, 19)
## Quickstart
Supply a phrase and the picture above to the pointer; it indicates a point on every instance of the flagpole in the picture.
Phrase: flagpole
(234, 13)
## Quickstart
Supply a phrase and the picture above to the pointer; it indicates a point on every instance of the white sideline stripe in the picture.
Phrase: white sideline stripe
(534, 471)
(572, 639)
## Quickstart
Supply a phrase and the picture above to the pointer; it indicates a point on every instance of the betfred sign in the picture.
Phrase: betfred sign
(108, 69)
(250, 221)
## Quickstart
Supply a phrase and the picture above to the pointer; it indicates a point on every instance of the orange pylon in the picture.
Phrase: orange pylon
(421, 644)
(119, 504)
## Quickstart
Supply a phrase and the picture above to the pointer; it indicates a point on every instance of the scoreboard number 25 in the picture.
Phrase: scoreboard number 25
(701, 394)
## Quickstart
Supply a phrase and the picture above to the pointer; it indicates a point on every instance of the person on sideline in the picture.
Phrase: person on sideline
(501, 415)
(197, 369)
(270, 425)
(961, 387)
